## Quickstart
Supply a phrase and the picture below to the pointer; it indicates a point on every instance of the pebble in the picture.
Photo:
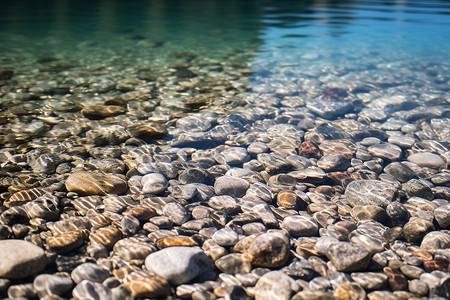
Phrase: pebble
(46, 284)
(442, 215)
(417, 188)
(348, 257)
(179, 265)
(20, 259)
(350, 290)
(90, 183)
(225, 237)
(89, 271)
(435, 240)
(143, 284)
(233, 264)
(427, 159)
(275, 285)
(368, 212)
(333, 161)
(300, 226)
(400, 171)
(154, 183)
(370, 192)
(370, 280)
(91, 290)
(268, 250)
(386, 151)
(416, 229)
(176, 213)
(232, 186)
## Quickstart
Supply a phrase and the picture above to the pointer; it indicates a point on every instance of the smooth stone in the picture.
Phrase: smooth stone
(176, 213)
(268, 250)
(89, 183)
(96, 112)
(193, 123)
(154, 183)
(89, 271)
(442, 215)
(370, 280)
(66, 242)
(46, 284)
(435, 240)
(397, 281)
(21, 291)
(427, 159)
(91, 290)
(225, 204)
(418, 287)
(350, 290)
(400, 171)
(329, 109)
(313, 295)
(381, 295)
(417, 188)
(225, 237)
(370, 192)
(368, 212)
(179, 265)
(233, 264)
(232, 186)
(333, 161)
(275, 285)
(300, 226)
(397, 214)
(348, 257)
(411, 271)
(388, 152)
(143, 284)
(256, 148)
(20, 259)
(416, 229)
(232, 156)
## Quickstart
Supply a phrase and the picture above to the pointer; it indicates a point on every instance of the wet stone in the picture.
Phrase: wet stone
(329, 109)
(418, 287)
(179, 265)
(20, 259)
(435, 240)
(96, 112)
(66, 242)
(347, 257)
(370, 280)
(233, 264)
(176, 213)
(300, 226)
(46, 284)
(225, 237)
(416, 229)
(274, 163)
(411, 271)
(368, 212)
(442, 215)
(233, 186)
(90, 183)
(193, 123)
(268, 250)
(370, 192)
(106, 236)
(224, 203)
(154, 183)
(256, 148)
(89, 271)
(397, 214)
(142, 284)
(232, 156)
(350, 290)
(333, 161)
(21, 291)
(194, 175)
(275, 285)
(91, 290)
(416, 187)
(400, 171)
(427, 159)
(388, 152)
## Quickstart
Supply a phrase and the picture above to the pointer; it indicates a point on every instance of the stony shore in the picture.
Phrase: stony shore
(192, 182)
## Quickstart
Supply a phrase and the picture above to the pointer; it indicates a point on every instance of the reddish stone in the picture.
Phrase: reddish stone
(396, 279)
(438, 264)
(310, 150)
(342, 178)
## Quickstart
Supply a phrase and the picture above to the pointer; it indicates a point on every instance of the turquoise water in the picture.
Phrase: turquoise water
(301, 46)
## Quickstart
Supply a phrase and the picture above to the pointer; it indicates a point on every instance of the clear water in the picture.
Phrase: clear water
(301, 46)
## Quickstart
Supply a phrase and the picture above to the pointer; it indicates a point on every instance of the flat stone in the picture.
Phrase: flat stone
(370, 192)
(268, 250)
(329, 109)
(348, 257)
(233, 263)
(435, 240)
(20, 259)
(427, 159)
(400, 171)
(91, 290)
(333, 161)
(176, 213)
(96, 112)
(89, 183)
(275, 285)
(350, 290)
(370, 280)
(225, 204)
(225, 237)
(417, 188)
(442, 215)
(368, 212)
(179, 265)
(386, 151)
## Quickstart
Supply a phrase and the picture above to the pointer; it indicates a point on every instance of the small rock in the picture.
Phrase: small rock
(275, 285)
(46, 284)
(225, 237)
(91, 290)
(154, 183)
(370, 192)
(143, 284)
(350, 290)
(179, 265)
(233, 186)
(427, 159)
(97, 112)
(268, 250)
(416, 229)
(89, 183)
(233, 264)
(348, 257)
(300, 226)
(370, 280)
(89, 271)
(176, 213)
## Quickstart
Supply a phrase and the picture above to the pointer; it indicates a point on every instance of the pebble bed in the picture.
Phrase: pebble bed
(199, 178)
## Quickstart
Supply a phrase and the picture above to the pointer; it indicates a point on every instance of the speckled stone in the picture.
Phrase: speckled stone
(348, 257)
(370, 192)
(268, 250)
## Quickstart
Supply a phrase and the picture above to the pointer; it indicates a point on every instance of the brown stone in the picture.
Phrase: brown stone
(288, 199)
(439, 264)
(396, 279)
(24, 196)
(90, 183)
(173, 241)
(350, 291)
(97, 112)
(311, 150)
(143, 284)
(107, 236)
(416, 229)
(142, 213)
(268, 250)
(66, 242)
